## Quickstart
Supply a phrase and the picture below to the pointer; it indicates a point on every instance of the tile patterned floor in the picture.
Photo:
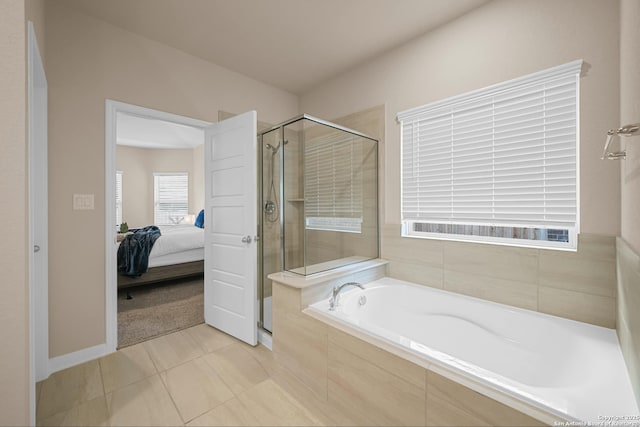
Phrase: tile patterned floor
(195, 377)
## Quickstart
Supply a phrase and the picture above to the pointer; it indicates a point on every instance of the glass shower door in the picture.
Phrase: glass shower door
(271, 215)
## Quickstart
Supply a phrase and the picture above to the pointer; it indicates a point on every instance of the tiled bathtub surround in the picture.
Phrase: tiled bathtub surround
(628, 322)
(577, 285)
(367, 385)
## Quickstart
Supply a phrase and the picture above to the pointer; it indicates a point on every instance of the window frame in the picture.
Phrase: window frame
(409, 116)
(119, 204)
(156, 176)
(319, 215)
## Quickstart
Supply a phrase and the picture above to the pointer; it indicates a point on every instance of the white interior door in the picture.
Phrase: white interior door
(38, 209)
(231, 253)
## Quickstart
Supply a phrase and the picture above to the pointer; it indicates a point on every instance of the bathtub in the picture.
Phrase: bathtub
(570, 370)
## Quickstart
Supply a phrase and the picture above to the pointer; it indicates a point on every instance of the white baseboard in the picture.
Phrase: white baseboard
(265, 339)
(65, 361)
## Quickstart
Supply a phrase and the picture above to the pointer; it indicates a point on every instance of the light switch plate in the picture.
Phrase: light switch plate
(83, 202)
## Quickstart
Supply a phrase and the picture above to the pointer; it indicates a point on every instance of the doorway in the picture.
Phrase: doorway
(121, 116)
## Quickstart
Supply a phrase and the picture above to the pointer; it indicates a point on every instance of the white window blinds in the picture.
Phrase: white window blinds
(502, 156)
(333, 183)
(171, 197)
(118, 197)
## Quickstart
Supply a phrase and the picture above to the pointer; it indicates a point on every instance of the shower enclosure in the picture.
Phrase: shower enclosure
(319, 200)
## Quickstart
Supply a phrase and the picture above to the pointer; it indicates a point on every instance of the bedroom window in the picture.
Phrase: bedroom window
(171, 197)
(333, 183)
(118, 197)
(497, 165)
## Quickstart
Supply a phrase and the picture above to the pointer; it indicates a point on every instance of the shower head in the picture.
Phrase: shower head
(275, 149)
(272, 148)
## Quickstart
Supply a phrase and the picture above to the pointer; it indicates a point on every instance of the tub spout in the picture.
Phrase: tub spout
(335, 293)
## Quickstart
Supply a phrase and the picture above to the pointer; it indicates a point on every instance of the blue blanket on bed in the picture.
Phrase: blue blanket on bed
(133, 253)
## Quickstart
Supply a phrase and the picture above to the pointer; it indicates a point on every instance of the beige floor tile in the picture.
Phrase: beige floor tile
(68, 388)
(273, 406)
(38, 390)
(172, 350)
(195, 388)
(230, 413)
(210, 338)
(90, 413)
(145, 403)
(126, 366)
(52, 421)
(320, 408)
(264, 356)
(237, 368)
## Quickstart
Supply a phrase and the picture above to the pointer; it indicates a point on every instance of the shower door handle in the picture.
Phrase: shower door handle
(246, 239)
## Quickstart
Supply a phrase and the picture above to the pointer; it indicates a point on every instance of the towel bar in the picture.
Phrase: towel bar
(628, 130)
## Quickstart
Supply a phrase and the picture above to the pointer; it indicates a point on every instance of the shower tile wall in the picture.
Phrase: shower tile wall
(628, 315)
(293, 196)
(576, 285)
(322, 246)
(271, 234)
(293, 209)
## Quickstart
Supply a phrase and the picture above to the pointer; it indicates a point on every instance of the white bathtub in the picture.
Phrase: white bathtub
(569, 369)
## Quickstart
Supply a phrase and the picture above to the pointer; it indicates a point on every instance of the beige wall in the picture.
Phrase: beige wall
(629, 243)
(138, 166)
(88, 61)
(499, 41)
(14, 310)
(196, 186)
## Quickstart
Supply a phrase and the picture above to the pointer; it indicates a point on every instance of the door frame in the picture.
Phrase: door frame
(38, 213)
(112, 108)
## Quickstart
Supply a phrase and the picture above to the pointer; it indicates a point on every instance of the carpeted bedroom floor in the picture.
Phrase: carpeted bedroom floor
(159, 309)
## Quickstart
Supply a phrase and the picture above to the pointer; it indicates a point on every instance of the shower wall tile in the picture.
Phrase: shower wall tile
(503, 262)
(396, 247)
(383, 398)
(407, 371)
(582, 275)
(576, 285)
(591, 270)
(588, 308)
(451, 404)
(422, 274)
(595, 246)
(627, 310)
(299, 341)
(511, 292)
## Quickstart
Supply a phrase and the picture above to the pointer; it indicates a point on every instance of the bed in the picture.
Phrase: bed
(177, 253)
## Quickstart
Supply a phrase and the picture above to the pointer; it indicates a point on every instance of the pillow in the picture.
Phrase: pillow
(200, 219)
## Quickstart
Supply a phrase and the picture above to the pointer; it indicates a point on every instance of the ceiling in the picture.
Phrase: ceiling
(141, 132)
(290, 44)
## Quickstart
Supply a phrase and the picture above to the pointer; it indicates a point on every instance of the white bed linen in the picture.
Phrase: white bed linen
(177, 244)
(177, 258)
(176, 239)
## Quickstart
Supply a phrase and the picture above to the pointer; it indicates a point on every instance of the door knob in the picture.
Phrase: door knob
(36, 248)
(246, 239)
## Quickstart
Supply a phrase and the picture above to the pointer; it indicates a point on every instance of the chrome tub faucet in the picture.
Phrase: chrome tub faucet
(335, 293)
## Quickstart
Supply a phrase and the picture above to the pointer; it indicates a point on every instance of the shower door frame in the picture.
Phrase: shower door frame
(261, 227)
(260, 184)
